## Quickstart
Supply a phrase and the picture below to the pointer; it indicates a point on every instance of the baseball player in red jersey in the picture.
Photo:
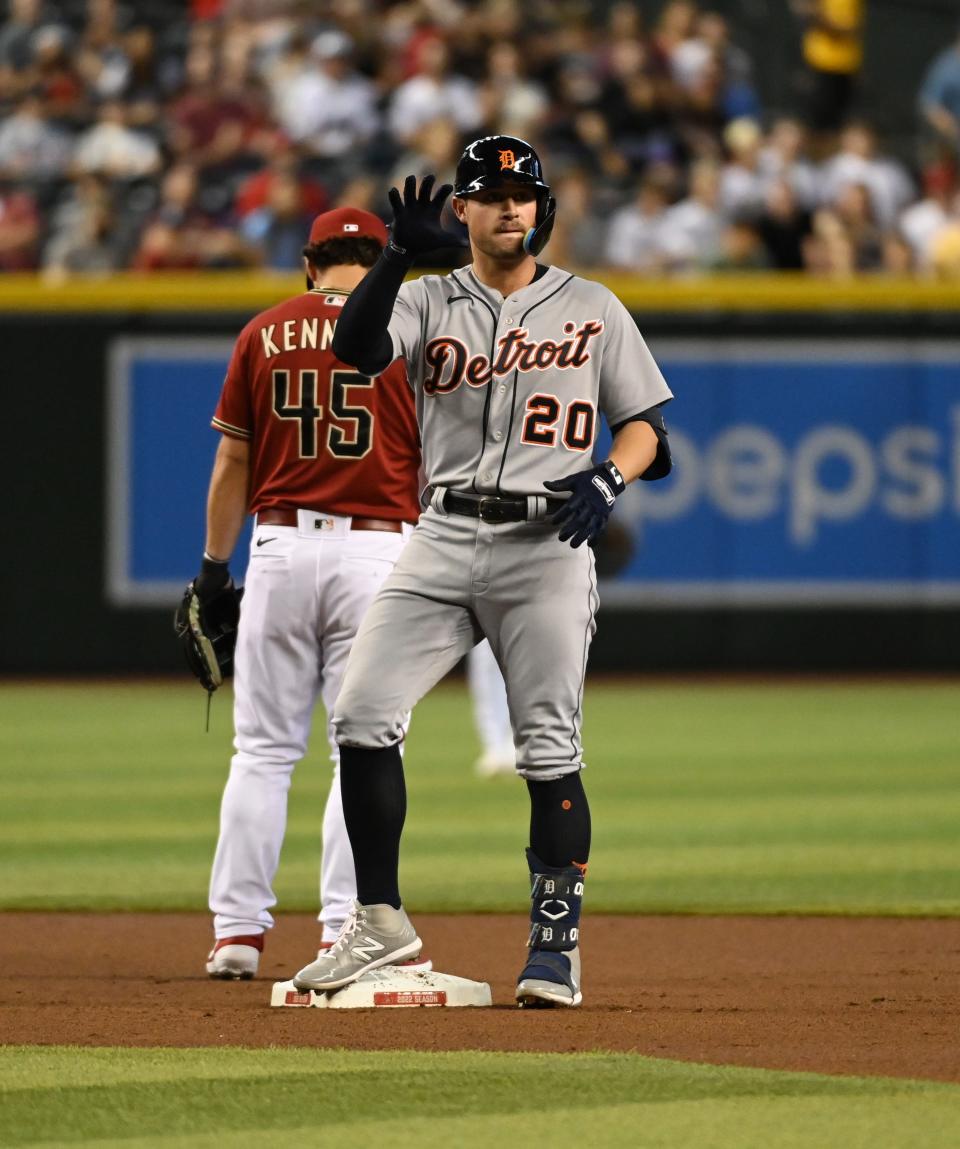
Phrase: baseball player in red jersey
(327, 461)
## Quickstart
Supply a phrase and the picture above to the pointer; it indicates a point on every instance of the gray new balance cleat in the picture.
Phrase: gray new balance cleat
(550, 979)
(372, 936)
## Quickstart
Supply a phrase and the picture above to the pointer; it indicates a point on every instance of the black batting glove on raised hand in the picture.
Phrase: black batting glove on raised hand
(584, 515)
(416, 220)
(214, 577)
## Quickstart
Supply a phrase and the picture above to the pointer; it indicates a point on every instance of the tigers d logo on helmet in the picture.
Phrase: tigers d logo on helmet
(498, 161)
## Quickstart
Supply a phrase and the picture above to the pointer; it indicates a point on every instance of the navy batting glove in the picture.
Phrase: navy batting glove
(584, 515)
(416, 219)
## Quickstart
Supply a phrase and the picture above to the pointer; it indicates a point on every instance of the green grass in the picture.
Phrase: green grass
(251, 1098)
(759, 798)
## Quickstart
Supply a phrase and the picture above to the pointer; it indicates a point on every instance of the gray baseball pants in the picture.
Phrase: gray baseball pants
(457, 580)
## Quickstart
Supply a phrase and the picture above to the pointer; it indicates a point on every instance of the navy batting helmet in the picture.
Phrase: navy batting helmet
(495, 161)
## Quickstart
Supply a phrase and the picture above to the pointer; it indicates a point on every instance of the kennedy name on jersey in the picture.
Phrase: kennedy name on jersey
(304, 334)
(450, 361)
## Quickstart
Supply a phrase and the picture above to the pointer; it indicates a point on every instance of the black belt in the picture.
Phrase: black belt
(493, 508)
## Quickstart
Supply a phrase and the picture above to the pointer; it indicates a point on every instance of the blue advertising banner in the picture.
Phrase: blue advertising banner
(162, 394)
(805, 471)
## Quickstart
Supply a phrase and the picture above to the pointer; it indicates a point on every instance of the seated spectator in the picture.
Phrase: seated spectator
(624, 22)
(57, 81)
(254, 192)
(741, 249)
(182, 236)
(939, 98)
(365, 194)
(783, 157)
(322, 102)
(290, 75)
(86, 241)
(277, 229)
(101, 55)
(640, 124)
(19, 229)
(709, 47)
(577, 132)
(945, 250)
(31, 148)
(16, 46)
(113, 149)
(857, 162)
(144, 90)
(827, 250)
(580, 230)
(690, 235)
(674, 27)
(212, 124)
(699, 113)
(508, 95)
(594, 144)
(633, 241)
(433, 93)
(435, 148)
(742, 184)
(922, 221)
(854, 208)
(784, 226)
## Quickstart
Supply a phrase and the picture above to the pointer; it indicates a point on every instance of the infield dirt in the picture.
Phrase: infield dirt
(831, 995)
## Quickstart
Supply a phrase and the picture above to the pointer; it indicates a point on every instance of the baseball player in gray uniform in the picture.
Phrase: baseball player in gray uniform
(512, 363)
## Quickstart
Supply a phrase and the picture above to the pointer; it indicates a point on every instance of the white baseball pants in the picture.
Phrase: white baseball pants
(307, 590)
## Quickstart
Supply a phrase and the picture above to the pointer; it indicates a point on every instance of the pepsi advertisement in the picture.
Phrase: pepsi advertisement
(805, 471)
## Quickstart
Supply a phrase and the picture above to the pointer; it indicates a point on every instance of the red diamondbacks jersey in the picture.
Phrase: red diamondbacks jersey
(322, 436)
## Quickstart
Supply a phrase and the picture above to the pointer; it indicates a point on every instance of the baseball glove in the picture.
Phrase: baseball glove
(207, 630)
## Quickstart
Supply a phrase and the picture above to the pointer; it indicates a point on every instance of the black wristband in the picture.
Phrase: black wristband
(394, 254)
(210, 565)
(613, 471)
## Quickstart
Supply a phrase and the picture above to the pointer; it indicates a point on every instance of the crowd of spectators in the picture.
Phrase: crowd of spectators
(161, 135)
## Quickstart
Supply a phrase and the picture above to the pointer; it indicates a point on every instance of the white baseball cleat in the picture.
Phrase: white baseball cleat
(235, 959)
(371, 937)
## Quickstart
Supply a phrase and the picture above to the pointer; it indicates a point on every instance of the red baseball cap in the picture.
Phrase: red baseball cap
(347, 223)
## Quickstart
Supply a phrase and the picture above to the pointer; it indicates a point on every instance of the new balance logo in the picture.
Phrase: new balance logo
(367, 948)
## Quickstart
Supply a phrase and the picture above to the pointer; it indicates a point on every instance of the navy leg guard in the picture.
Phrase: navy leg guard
(556, 897)
(551, 976)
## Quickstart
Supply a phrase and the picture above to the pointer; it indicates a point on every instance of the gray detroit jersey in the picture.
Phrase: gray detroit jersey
(508, 390)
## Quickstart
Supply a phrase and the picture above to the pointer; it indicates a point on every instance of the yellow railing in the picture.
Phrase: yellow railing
(251, 292)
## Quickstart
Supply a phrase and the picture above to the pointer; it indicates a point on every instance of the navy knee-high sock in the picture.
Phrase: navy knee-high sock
(560, 821)
(374, 808)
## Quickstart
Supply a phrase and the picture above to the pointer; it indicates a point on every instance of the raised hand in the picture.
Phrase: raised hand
(416, 217)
